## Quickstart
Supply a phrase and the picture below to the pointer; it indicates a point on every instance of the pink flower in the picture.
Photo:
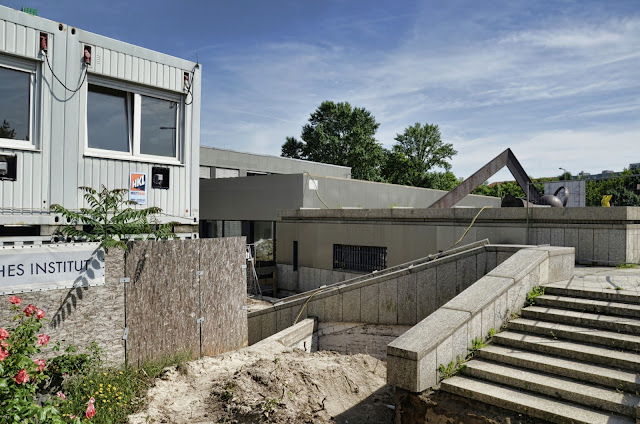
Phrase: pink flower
(39, 314)
(72, 416)
(30, 309)
(40, 364)
(91, 410)
(43, 339)
(15, 300)
(5, 344)
(61, 396)
(3, 354)
(21, 377)
(4, 334)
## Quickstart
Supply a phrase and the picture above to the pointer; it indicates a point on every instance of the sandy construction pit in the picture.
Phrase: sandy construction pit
(269, 383)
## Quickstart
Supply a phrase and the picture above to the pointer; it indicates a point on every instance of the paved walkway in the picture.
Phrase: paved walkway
(606, 279)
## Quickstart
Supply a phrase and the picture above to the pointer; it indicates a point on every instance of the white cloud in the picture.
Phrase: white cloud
(541, 84)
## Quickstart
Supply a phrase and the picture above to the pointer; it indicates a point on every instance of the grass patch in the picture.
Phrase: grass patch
(531, 296)
(625, 266)
(117, 391)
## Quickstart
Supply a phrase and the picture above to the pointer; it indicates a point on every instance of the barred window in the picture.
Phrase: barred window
(359, 258)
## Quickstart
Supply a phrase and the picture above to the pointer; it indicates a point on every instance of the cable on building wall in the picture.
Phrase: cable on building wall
(46, 57)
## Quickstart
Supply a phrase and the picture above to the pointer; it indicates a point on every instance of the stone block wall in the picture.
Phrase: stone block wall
(82, 315)
(402, 295)
(413, 358)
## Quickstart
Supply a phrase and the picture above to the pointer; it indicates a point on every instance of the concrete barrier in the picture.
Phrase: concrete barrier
(401, 295)
(448, 333)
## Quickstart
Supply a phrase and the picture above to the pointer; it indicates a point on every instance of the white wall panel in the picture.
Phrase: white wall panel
(53, 172)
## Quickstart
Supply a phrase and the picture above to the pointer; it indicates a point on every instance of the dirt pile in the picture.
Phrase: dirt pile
(272, 384)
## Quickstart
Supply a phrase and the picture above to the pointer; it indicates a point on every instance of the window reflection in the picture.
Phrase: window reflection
(107, 113)
(15, 94)
(157, 127)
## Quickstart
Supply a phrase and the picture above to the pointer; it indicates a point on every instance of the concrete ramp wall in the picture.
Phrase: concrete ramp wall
(402, 295)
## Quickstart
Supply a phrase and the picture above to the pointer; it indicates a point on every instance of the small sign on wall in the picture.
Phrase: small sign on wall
(56, 266)
(138, 187)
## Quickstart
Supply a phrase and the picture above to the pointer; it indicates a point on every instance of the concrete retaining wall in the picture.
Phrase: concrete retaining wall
(402, 295)
(604, 236)
(414, 357)
(350, 338)
(303, 336)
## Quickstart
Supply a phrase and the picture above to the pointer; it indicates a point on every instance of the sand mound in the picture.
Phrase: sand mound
(272, 384)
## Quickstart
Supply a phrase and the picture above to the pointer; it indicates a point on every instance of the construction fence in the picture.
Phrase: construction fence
(158, 299)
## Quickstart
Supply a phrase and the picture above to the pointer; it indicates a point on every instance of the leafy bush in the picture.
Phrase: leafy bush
(23, 373)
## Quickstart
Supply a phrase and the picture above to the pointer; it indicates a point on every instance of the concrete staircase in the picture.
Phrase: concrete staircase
(572, 358)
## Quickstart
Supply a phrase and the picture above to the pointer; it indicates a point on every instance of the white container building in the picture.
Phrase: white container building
(80, 109)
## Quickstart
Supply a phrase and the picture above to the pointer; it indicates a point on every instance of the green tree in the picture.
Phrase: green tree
(442, 180)
(417, 151)
(341, 135)
(623, 189)
(111, 219)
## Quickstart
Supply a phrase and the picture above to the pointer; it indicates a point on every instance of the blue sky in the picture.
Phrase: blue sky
(557, 81)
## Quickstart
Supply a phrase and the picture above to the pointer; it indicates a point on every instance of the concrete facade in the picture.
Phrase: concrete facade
(254, 163)
(607, 236)
(259, 198)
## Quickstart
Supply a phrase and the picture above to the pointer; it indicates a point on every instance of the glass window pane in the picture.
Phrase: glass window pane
(107, 113)
(158, 127)
(15, 92)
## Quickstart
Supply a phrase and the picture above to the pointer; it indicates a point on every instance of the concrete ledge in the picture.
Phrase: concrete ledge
(413, 358)
(299, 335)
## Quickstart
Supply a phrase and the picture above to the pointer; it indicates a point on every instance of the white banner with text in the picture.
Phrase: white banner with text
(47, 267)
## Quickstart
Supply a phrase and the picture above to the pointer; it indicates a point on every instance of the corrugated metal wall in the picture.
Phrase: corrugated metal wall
(53, 171)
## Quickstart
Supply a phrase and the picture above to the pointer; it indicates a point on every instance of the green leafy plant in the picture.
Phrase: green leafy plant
(117, 391)
(111, 219)
(492, 332)
(451, 369)
(23, 372)
(531, 296)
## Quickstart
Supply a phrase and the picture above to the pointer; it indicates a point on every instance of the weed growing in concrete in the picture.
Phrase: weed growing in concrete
(531, 296)
(451, 369)
(618, 288)
(492, 332)
(623, 266)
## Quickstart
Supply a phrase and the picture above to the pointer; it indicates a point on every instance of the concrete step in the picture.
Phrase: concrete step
(586, 319)
(589, 305)
(557, 387)
(597, 374)
(578, 333)
(570, 349)
(596, 291)
(537, 406)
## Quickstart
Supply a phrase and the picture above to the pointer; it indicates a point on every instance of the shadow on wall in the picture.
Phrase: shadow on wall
(81, 284)
(69, 304)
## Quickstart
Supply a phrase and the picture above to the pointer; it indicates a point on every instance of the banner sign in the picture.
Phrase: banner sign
(138, 187)
(55, 266)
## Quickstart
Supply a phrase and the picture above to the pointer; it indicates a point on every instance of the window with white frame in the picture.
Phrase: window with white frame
(18, 102)
(122, 119)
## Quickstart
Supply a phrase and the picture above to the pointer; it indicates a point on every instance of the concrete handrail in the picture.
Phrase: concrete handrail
(448, 333)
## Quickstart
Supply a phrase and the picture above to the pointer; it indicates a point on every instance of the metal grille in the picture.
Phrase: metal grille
(359, 258)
